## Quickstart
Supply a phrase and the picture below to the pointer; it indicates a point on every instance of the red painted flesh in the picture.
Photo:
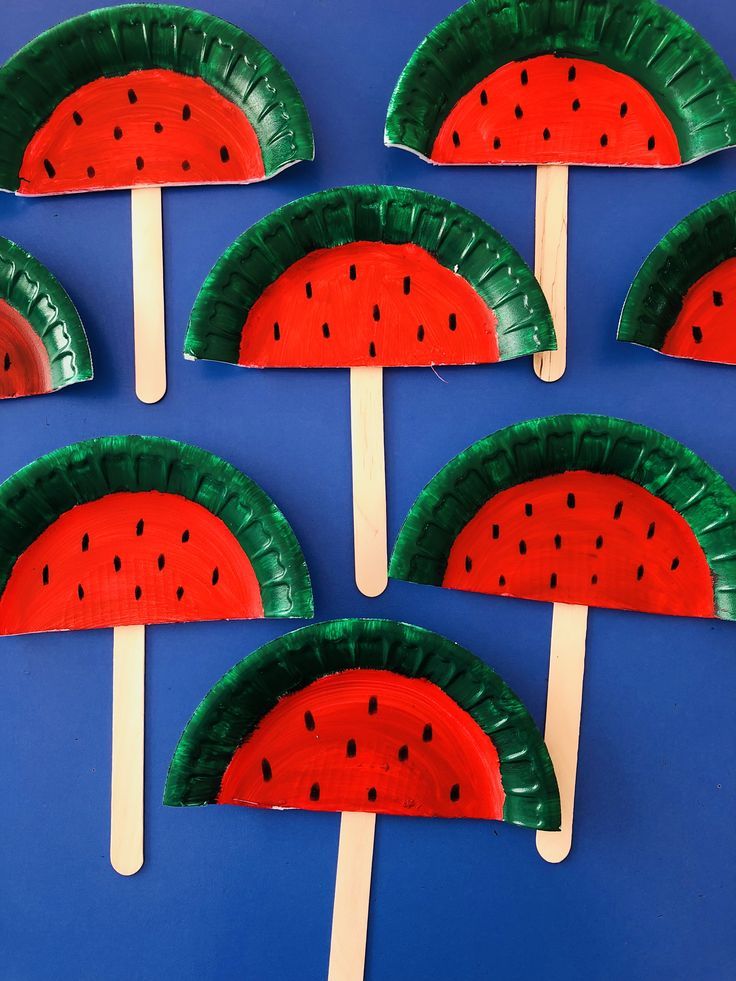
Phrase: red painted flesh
(128, 558)
(368, 303)
(586, 538)
(148, 127)
(705, 329)
(24, 362)
(359, 741)
(551, 109)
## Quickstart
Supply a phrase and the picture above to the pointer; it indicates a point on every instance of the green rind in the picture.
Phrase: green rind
(699, 243)
(132, 37)
(234, 707)
(457, 239)
(556, 444)
(39, 493)
(31, 289)
(640, 38)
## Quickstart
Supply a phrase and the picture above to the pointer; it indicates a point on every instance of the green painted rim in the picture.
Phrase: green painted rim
(133, 37)
(234, 707)
(639, 38)
(35, 496)
(700, 242)
(31, 289)
(456, 238)
(556, 444)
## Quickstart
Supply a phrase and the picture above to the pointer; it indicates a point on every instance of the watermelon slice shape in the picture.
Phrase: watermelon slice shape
(683, 299)
(367, 277)
(43, 346)
(124, 531)
(142, 96)
(579, 511)
(550, 83)
(365, 717)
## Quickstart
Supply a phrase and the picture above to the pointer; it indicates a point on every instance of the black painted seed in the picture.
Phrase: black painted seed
(650, 530)
(325, 330)
(528, 510)
(372, 705)
(351, 749)
(224, 154)
(138, 592)
(468, 563)
(372, 349)
(455, 792)
(49, 168)
(376, 312)
(420, 332)
(502, 580)
(553, 581)
(117, 133)
(215, 576)
(571, 500)
(558, 541)
(309, 721)
(266, 770)
(77, 118)
(624, 109)
(427, 733)
(85, 542)
(604, 140)
(179, 592)
(314, 792)
(572, 73)
(651, 143)
(594, 580)
(403, 754)
(456, 137)
(522, 547)
(497, 143)
(139, 162)
(80, 591)
(132, 97)
(161, 561)
(185, 165)
(353, 272)
(90, 172)
(139, 527)
(372, 794)
(599, 541)
(576, 105)
(308, 290)
(524, 76)
(640, 572)
(452, 321)
(186, 112)
(407, 285)
(717, 298)
(276, 331)
(697, 334)
(6, 362)
(158, 127)
(483, 97)
(496, 531)
(45, 575)
(117, 564)
(185, 535)
(518, 112)
(617, 510)
(546, 134)
(675, 563)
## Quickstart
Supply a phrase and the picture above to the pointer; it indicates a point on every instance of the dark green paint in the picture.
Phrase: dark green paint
(232, 710)
(557, 444)
(456, 238)
(31, 289)
(700, 242)
(639, 38)
(133, 37)
(34, 497)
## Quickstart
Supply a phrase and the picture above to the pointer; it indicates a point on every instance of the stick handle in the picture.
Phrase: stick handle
(126, 805)
(562, 727)
(148, 293)
(352, 896)
(369, 480)
(551, 263)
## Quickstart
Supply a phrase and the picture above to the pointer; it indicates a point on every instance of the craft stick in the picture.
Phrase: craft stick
(369, 480)
(562, 727)
(352, 896)
(550, 263)
(128, 683)
(148, 294)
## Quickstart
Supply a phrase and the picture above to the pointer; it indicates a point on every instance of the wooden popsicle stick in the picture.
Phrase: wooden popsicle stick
(562, 726)
(148, 293)
(352, 897)
(126, 805)
(550, 263)
(369, 480)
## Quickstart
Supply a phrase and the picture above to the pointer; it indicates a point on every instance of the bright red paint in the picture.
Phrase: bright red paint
(148, 127)
(619, 546)
(358, 741)
(24, 362)
(551, 109)
(368, 303)
(706, 326)
(86, 568)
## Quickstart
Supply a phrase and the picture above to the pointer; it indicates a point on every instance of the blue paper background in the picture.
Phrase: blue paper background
(648, 891)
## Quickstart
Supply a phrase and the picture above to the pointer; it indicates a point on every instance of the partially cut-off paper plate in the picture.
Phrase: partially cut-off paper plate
(683, 300)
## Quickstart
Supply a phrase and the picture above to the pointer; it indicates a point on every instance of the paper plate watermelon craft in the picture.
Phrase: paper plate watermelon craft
(43, 346)
(554, 83)
(124, 531)
(683, 300)
(577, 511)
(365, 717)
(142, 96)
(366, 278)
